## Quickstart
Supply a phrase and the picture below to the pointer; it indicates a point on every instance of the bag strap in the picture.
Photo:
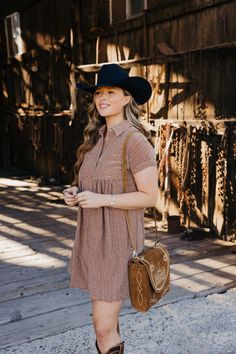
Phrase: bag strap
(124, 180)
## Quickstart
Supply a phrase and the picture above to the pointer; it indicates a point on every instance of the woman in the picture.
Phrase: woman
(102, 245)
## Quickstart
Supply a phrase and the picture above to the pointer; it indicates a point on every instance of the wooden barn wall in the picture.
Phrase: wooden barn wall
(38, 123)
(192, 105)
(187, 51)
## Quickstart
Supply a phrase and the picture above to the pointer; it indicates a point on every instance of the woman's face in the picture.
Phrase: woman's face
(110, 101)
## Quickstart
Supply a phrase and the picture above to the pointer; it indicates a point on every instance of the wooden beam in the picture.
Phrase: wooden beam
(174, 121)
(161, 59)
(223, 45)
(126, 64)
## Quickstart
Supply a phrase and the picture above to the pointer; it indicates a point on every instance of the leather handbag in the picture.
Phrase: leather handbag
(148, 271)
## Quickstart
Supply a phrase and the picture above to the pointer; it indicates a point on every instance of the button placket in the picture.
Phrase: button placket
(103, 149)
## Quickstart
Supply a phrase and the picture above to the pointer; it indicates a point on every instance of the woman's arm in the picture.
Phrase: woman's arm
(145, 196)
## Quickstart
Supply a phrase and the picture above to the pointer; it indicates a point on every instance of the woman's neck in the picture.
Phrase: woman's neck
(112, 121)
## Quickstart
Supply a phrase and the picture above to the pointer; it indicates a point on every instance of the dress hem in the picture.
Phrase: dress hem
(97, 298)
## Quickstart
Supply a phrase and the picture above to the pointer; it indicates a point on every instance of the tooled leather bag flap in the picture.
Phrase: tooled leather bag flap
(156, 260)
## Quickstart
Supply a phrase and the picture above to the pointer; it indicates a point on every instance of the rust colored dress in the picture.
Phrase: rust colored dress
(102, 247)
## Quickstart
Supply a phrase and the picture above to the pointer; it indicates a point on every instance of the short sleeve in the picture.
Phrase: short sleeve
(140, 153)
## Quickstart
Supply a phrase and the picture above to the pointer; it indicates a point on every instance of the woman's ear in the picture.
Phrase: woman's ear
(127, 99)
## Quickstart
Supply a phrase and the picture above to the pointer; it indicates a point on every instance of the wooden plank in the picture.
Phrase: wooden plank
(49, 324)
(38, 304)
(35, 221)
(206, 280)
(25, 274)
(24, 250)
(21, 251)
(36, 243)
(196, 267)
(18, 238)
(34, 260)
(26, 234)
(184, 250)
(33, 230)
(35, 285)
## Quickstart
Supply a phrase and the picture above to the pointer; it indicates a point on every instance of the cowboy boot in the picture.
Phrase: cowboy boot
(118, 330)
(117, 349)
(97, 348)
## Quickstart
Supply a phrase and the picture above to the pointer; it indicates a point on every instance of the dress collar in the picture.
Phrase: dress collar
(118, 129)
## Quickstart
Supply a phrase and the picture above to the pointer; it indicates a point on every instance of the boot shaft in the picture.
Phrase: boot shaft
(117, 349)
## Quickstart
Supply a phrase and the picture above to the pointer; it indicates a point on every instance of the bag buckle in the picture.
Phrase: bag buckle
(134, 253)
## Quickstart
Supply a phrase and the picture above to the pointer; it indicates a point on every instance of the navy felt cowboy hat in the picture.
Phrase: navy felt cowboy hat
(114, 75)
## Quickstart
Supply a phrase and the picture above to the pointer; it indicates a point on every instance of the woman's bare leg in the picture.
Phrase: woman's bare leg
(105, 319)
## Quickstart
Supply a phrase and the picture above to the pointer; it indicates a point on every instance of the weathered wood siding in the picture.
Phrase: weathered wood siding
(185, 48)
(38, 96)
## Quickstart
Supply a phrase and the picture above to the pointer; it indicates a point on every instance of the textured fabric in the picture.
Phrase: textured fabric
(101, 251)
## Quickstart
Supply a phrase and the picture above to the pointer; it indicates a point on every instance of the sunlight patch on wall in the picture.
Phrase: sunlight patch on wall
(117, 53)
(210, 110)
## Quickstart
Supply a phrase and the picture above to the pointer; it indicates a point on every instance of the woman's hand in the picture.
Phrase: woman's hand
(88, 199)
(70, 195)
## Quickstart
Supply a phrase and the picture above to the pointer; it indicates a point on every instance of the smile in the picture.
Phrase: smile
(103, 105)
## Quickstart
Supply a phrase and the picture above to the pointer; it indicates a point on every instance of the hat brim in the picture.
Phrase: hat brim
(138, 87)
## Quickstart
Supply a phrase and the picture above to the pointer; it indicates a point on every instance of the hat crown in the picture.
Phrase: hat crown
(111, 73)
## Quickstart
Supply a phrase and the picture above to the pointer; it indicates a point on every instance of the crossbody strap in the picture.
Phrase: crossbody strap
(124, 180)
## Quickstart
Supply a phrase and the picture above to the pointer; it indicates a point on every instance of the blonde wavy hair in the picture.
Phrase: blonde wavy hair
(95, 122)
